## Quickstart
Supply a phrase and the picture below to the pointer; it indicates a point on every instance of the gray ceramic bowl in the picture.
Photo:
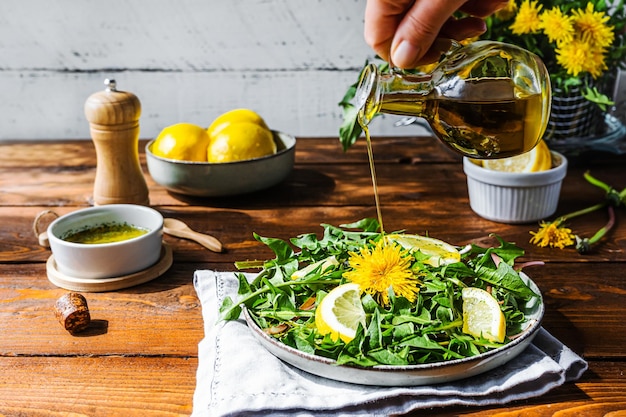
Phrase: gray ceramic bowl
(207, 179)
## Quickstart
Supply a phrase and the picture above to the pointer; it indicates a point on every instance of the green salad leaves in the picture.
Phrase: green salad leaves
(282, 301)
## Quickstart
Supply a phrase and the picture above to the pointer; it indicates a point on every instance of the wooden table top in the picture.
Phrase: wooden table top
(139, 357)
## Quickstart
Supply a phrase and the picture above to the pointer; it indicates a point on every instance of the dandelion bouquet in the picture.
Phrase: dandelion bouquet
(581, 42)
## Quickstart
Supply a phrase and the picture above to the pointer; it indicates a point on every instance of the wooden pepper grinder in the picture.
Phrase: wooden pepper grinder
(114, 125)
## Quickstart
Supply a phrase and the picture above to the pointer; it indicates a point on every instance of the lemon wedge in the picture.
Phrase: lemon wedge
(440, 252)
(537, 159)
(340, 312)
(482, 315)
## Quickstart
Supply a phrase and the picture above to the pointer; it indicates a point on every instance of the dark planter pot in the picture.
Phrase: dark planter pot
(573, 116)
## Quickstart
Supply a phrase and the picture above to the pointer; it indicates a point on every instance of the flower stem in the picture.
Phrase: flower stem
(249, 264)
(613, 197)
(581, 212)
(597, 182)
(584, 245)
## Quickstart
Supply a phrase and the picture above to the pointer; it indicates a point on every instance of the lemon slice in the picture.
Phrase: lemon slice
(482, 315)
(340, 312)
(535, 160)
(440, 252)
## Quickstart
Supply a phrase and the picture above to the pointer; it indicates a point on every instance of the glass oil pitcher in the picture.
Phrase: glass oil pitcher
(485, 100)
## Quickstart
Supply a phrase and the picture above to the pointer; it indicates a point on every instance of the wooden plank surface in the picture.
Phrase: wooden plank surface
(97, 386)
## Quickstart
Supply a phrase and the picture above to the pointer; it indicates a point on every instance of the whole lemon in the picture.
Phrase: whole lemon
(235, 116)
(241, 141)
(182, 141)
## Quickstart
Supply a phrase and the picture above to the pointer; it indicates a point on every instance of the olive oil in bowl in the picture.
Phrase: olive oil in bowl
(105, 233)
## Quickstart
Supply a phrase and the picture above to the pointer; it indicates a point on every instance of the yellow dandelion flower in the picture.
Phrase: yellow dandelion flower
(573, 57)
(553, 234)
(596, 64)
(527, 19)
(507, 12)
(382, 267)
(592, 26)
(557, 26)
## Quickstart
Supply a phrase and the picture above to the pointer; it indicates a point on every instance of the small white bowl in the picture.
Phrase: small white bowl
(205, 179)
(106, 260)
(508, 197)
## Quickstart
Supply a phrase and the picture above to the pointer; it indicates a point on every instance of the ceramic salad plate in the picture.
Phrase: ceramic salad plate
(410, 375)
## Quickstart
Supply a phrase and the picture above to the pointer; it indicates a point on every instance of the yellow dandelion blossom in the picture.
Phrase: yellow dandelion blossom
(507, 12)
(596, 64)
(382, 267)
(557, 26)
(573, 57)
(592, 26)
(552, 234)
(527, 19)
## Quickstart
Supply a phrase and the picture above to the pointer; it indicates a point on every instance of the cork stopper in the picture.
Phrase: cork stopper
(112, 107)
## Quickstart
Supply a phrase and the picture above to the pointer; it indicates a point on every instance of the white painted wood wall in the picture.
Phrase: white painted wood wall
(186, 60)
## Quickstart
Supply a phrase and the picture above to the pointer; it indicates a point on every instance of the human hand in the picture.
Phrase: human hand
(408, 33)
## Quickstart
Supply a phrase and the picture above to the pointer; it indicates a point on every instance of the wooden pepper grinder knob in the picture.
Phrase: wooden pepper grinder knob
(114, 125)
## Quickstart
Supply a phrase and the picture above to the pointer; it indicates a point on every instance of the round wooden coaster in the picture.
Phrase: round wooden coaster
(110, 284)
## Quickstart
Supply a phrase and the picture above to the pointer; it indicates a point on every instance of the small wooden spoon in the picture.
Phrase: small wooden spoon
(180, 229)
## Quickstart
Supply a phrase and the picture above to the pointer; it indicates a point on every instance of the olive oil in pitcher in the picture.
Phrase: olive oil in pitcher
(484, 100)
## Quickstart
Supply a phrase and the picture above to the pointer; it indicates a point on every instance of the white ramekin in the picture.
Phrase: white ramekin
(508, 197)
(106, 260)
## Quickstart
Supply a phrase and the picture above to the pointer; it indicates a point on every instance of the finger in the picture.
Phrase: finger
(382, 18)
(453, 29)
(418, 30)
(433, 54)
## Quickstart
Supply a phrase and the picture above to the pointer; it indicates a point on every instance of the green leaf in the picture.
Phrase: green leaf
(307, 241)
(400, 331)
(374, 333)
(346, 359)
(595, 96)
(506, 277)
(387, 357)
(282, 250)
(228, 310)
(244, 286)
(304, 344)
(347, 98)
(367, 225)
(350, 130)
(507, 251)
(422, 342)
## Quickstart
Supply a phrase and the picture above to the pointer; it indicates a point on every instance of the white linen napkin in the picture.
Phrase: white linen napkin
(238, 376)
